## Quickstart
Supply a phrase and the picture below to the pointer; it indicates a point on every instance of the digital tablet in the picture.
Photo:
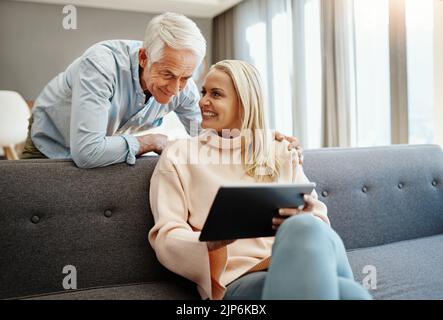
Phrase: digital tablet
(246, 210)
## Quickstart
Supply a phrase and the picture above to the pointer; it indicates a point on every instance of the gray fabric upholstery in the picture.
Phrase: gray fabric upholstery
(164, 290)
(384, 213)
(70, 205)
(53, 214)
(411, 269)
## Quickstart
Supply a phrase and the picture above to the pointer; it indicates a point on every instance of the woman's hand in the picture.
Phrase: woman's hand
(214, 245)
(284, 213)
(293, 144)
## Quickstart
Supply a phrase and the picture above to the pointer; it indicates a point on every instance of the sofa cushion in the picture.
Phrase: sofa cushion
(380, 195)
(162, 290)
(53, 214)
(411, 269)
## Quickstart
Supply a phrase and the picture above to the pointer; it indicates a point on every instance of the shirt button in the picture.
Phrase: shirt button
(434, 183)
(108, 213)
(400, 185)
(364, 189)
(140, 104)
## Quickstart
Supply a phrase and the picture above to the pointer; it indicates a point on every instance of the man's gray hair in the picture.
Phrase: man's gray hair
(177, 32)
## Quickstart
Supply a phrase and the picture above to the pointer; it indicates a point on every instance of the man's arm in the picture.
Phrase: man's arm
(152, 142)
(92, 90)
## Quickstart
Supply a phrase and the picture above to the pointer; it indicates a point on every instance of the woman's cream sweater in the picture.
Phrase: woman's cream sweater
(183, 186)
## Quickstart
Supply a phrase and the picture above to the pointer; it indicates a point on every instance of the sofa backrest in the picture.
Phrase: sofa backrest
(53, 214)
(380, 195)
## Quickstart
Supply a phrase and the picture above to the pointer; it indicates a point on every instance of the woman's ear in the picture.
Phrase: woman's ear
(142, 57)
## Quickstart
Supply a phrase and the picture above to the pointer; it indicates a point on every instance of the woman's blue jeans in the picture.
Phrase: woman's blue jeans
(308, 262)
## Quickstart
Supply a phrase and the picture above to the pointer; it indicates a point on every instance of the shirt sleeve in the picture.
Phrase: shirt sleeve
(176, 244)
(93, 87)
(188, 111)
(298, 176)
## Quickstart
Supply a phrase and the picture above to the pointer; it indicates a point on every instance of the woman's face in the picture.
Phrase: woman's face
(219, 104)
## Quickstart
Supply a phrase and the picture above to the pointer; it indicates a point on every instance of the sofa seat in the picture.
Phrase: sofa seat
(159, 290)
(409, 269)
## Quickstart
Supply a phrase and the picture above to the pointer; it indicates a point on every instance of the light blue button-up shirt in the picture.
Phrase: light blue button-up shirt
(90, 111)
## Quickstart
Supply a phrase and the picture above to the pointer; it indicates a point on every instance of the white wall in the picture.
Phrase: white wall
(35, 46)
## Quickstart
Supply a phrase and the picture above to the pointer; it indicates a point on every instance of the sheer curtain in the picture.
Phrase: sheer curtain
(338, 62)
(263, 37)
(284, 40)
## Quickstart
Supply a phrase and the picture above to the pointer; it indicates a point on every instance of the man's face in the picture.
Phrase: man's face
(166, 77)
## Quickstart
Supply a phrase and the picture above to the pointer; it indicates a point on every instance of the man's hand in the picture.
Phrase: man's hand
(293, 144)
(214, 245)
(152, 142)
(285, 213)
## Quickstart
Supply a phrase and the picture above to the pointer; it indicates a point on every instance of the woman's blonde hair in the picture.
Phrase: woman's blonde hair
(258, 149)
(175, 31)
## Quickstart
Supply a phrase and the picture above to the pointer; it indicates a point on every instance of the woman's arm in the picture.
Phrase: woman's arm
(175, 243)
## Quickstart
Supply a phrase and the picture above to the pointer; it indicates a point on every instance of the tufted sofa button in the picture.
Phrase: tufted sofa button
(325, 194)
(35, 219)
(434, 183)
(400, 185)
(364, 189)
(108, 213)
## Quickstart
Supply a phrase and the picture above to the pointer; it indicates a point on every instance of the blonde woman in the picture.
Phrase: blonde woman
(308, 258)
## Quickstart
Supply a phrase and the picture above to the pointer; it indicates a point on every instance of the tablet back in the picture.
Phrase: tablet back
(246, 211)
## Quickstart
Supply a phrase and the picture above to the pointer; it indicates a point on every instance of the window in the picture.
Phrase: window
(256, 39)
(291, 65)
(373, 110)
(313, 73)
(420, 58)
(281, 62)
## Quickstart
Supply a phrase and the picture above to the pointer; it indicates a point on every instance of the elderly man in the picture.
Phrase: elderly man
(116, 88)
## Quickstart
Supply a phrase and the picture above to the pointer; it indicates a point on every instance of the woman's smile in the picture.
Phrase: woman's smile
(219, 105)
(208, 115)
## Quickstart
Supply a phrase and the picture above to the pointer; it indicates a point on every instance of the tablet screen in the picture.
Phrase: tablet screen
(246, 210)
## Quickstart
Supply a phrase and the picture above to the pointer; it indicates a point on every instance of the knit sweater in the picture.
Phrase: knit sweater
(183, 187)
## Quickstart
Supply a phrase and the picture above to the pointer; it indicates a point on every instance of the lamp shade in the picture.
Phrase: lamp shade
(14, 115)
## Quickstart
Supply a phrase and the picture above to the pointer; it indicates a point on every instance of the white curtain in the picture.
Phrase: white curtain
(263, 38)
(338, 61)
(276, 36)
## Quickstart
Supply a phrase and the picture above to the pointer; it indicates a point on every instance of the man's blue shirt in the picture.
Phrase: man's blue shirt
(90, 111)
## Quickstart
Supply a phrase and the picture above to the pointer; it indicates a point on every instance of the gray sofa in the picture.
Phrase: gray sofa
(385, 202)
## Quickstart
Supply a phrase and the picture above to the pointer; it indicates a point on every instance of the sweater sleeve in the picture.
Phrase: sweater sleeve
(298, 176)
(175, 242)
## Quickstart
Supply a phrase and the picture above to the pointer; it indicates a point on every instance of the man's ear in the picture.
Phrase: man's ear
(142, 57)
